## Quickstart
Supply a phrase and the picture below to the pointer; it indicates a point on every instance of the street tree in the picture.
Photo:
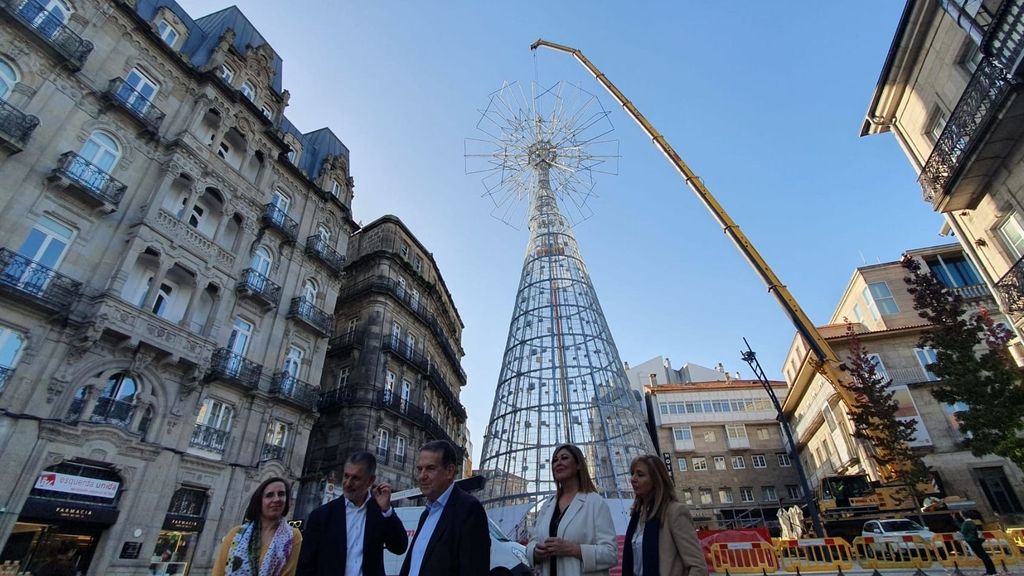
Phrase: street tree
(973, 366)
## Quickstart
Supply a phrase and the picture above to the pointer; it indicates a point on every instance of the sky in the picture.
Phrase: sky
(763, 100)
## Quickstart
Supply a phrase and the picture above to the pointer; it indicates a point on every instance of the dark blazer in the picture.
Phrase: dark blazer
(461, 542)
(324, 540)
(670, 548)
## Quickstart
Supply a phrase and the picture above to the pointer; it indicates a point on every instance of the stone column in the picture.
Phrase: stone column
(197, 292)
(154, 287)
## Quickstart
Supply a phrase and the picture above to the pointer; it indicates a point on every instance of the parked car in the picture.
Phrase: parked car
(508, 558)
(896, 527)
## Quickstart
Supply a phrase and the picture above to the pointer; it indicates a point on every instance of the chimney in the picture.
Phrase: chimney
(625, 365)
(667, 363)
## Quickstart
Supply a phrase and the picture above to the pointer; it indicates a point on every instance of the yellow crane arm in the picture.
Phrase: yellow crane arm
(828, 363)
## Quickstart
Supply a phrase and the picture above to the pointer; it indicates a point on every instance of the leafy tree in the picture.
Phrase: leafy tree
(973, 365)
(875, 418)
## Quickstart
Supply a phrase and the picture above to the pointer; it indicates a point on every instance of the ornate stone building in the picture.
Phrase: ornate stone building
(393, 372)
(170, 253)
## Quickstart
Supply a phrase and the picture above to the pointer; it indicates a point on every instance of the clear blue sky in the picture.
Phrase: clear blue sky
(764, 100)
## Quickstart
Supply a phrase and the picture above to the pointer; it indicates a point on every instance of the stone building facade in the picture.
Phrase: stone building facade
(725, 451)
(170, 255)
(877, 305)
(393, 372)
(948, 92)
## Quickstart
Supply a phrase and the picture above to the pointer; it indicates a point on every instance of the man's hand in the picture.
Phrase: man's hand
(382, 494)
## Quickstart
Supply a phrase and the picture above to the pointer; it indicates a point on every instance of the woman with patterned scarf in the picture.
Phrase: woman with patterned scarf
(264, 545)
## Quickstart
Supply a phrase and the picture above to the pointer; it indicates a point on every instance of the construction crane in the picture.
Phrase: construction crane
(823, 357)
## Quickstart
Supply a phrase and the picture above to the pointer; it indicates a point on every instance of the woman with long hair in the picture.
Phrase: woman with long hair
(574, 534)
(264, 544)
(661, 539)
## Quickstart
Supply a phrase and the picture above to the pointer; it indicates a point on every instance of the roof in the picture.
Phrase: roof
(714, 385)
(890, 58)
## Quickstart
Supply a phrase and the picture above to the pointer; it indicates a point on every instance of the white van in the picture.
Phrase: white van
(508, 558)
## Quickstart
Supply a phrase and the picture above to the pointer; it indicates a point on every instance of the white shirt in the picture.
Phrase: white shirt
(355, 530)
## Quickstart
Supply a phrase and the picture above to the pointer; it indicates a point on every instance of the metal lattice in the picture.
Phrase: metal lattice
(561, 378)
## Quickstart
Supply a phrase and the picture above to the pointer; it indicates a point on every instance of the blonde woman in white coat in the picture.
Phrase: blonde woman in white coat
(574, 534)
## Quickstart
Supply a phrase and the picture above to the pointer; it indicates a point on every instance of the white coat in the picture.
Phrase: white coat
(588, 522)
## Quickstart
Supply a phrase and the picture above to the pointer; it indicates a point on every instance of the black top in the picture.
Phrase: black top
(553, 532)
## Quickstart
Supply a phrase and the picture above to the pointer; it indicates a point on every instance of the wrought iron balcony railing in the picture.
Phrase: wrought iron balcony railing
(317, 247)
(353, 339)
(15, 125)
(138, 106)
(43, 286)
(406, 352)
(50, 27)
(1011, 287)
(272, 452)
(209, 438)
(304, 310)
(382, 455)
(258, 287)
(288, 387)
(277, 219)
(90, 178)
(971, 292)
(442, 387)
(229, 367)
(111, 411)
(335, 398)
(5, 375)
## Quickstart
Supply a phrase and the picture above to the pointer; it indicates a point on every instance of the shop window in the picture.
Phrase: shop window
(182, 525)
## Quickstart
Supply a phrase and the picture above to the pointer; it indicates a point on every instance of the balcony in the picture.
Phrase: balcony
(277, 219)
(50, 28)
(442, 387)
(313, 317)
(740, 443)
(1011, 288)
(905, 376)
(114, 412)
(346, 341)
(231, 368)
(405, 352)
(981, 129)
(36, 284)
(126, 97)
(258, 287)
(317, 247)
(335, 399)
(382, 455)
(209, 439)
(92, 182)
(394, 403)
(287, 387)
(972, 292)
(272, 452)
(15, 127)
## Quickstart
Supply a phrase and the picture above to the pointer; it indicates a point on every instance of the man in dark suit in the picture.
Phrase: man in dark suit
(347, 536)
(452, 538)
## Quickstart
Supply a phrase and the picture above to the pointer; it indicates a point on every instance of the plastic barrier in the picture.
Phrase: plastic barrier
(1001, 548)
(905, 552)
(953, 552)
(1016, 535)
(815, 555)
(743, 558)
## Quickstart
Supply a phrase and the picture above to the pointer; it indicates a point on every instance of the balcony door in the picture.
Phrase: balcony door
(46, 16)
(137, 92)
(96, 161)
(292, 367)
(42, 252)
(238, 343)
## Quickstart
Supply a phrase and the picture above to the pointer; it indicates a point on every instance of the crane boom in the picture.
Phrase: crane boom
(825, 358)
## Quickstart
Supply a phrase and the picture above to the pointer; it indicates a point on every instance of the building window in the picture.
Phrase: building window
(936, 125)
(1012, 234)
(857, 313)
(879, 366)
(747, 494)
(335, 189)
(954, 271)
(382, 444)
(681, 464)
(739, 463)
(830, 419)
(400, 449)
(261, 261)
(10, 349)
(417, 263)
(406, 392)
(404, 250)
(353, 324)
(763, 433)
(277, 437)
(343, 377)
(8, 78)
(759, 461)
(709, 435)
(389, 387)
(700, 464)
(682, 434)
(247, 90)
(768, 494)
(267, 112)
(883, 299)
(927, 357)
(688, 497)
(167, 32)
(794, 492)
(293, 362)
(719, 462)
(46, 245)
(784, 460)
(970, 55)
(725, 495)
(116, 403)
(309, 291)
(736, 431)
(705, 496)
(224, 150)
(103, 152)
(396, 334)
(227, 74)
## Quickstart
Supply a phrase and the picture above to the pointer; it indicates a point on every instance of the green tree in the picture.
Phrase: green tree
(973, 365)
(875, 418)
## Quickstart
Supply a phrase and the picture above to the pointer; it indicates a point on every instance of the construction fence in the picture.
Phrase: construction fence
(865, 552)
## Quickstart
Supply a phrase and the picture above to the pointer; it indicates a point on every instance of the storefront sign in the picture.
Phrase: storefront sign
(180, 523)
(130, 550)
(668, 463)
(79, 485)
(40, 508)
